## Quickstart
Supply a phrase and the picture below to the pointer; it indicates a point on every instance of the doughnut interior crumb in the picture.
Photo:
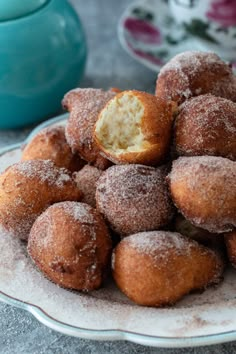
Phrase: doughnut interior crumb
(118, 128)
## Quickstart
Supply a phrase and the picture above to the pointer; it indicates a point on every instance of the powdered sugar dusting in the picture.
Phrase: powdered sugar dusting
(134, 198)
(206, 125)
(44, 171)
(28, 188)
(79, 211)
(191, 60)
(84, 106)
(208, 183)
(162, 241)
(192, 73)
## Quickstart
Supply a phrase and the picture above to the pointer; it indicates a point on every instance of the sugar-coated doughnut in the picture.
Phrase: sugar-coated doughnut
(134, 127)
(158, 268)
(71, 245)
(27, 188)
(86, 180)
(206, 125)
(204, 190)
(50, 144)
(84, 106)
(194, 73)
(230, 242)
(134, 198)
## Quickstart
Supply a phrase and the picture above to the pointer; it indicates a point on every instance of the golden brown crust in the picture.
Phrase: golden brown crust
(50, 144)
(206, 125)
(134, 198)
(84, 106)
(203, 189)
(156, 124)
(194, 73)
(158, 268)
(86, 180)
(71, 245)
(28, 188)
(230, 242)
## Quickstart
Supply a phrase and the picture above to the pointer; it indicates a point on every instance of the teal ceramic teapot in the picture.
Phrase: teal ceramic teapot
(42, 56)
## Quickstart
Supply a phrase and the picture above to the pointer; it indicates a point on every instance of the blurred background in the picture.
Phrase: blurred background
(108, 64)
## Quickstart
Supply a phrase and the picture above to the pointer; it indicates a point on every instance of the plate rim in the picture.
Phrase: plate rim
(116, 334)
(120, 32)
(105, 334)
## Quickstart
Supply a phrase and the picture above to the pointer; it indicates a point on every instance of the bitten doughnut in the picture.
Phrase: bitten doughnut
(204, 190)
(195, 73)
(230, 242)
(134, 127)
(27, 188)
(50, 144)
(71, 245)
(84, 106)
(134, 198)
(206, 125)
(86, 180)
(158, 268)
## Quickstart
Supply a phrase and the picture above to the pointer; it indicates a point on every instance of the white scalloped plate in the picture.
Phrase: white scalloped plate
(199, 319)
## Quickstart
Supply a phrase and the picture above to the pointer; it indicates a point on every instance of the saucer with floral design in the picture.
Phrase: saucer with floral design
(148, 32)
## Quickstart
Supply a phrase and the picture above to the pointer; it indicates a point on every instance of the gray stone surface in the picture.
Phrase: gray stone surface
(108, 65)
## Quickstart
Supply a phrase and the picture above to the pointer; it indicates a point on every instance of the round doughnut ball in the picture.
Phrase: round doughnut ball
(134, 127)
(70, 244)
(230, 242)
(204, 190)
(206, 125)
(84, 106)
(195, 73)
(28, 188)
(50, 144)
(158, 268)
(134, 198)
(86, 180)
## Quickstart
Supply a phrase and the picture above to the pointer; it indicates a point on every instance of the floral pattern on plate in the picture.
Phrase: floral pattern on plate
(148, 32)
(150, 35)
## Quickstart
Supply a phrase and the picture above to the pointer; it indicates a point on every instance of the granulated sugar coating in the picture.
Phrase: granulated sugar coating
(44, 171)
(84, 106)
(204, 190)
(162, 241)
(134, 198)
(193, 73)
(50, 144)
(71, 245)
(86, 180)
(28, 188)
(79, 211)
(158, 268)
(206, 125)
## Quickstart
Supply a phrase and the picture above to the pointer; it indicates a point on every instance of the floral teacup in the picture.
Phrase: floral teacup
(213, 22)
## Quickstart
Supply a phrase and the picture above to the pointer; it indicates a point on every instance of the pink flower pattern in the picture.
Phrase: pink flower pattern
(142, 31)
(223, 12)
(149, 57)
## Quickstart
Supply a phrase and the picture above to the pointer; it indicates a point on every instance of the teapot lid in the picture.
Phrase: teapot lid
(13, 9)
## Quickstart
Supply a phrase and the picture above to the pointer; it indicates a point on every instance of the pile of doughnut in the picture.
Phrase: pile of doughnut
(136, 186)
